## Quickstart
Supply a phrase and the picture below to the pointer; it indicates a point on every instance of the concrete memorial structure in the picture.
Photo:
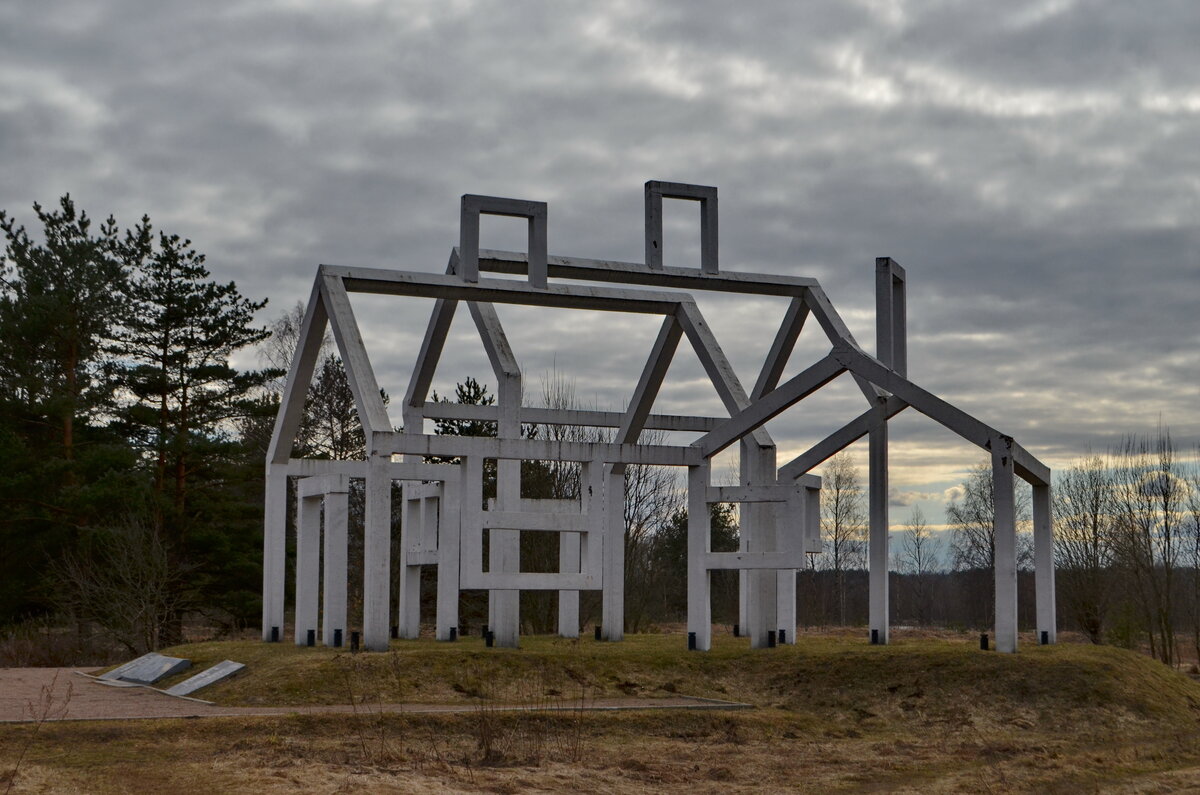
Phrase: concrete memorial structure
(445, 516)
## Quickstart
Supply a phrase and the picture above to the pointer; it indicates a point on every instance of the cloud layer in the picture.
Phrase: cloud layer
(1032, 165)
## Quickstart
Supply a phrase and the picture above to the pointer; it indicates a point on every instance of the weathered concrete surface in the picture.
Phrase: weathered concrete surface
(209, 676)
(148, 669)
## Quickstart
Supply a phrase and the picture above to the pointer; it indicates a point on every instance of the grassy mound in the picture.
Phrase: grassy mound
(834, 714)
(840, 681)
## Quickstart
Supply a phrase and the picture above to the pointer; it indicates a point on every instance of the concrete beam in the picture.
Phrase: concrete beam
(551, 416)
(842, 438)
(638, 273)
(274, 551)
(540, 449)
(308, 567)
(335, 579)
(1005, 529)
(1043, 563)
(878, 553)
(377, 552)
(781, 348)
(838, 333)
(504, 291)
(774, 403)
(699, 596)
(720, 371)
(361, 377)
(300, 373)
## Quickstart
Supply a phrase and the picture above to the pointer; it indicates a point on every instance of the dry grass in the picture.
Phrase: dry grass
(934, 715)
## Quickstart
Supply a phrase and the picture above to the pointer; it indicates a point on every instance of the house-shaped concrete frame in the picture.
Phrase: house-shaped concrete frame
(444, 512)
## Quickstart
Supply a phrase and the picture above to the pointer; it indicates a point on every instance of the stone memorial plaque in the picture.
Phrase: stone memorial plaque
(148, 669)
(221, 671)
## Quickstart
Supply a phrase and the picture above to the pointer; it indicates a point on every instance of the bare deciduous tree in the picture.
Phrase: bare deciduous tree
(1084, 535)
(1192, 533)
(843, 523)
(124, 579)
(1150, 497)
(917, 557)
(972, 520)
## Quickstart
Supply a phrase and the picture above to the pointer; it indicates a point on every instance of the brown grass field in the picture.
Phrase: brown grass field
(929, 713)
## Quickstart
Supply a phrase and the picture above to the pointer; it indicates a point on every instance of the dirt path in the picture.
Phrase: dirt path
(28, 694)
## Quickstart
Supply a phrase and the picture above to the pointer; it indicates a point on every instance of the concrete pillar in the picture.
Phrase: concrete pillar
(308, 566)
(333, 597)
(568, 601)
(699, 598)
(504, 546)
(743, 575)
(449, 541)
(1043, 561)
(377, 549)
(890, 348)
(758, 469)
(470, 515)
(612, 612)
(790, 520)
(504, 555)
(877, 548)
(743, 587)
(1006, 545)
(274, 549)
(785, 606)
(408, 607)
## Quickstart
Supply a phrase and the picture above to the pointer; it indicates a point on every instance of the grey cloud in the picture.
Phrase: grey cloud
(1031, 164)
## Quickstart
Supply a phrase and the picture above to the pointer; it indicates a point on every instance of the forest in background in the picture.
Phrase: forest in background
(131, 464)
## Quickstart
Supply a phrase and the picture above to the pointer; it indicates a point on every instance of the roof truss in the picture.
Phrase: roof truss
(881, 380)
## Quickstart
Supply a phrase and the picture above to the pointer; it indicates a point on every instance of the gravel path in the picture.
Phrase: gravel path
(28, 694)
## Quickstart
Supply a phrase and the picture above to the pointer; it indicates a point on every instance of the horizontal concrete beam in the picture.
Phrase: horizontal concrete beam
(755, 560)
(504, 291)
(544, 522)
(750, 494)
(508, 581)
(533, 449)
(421, 557)
(308, 467)
(423, 491)
(547, 416)
(596, 270)
(1029, 468)
(320, 485)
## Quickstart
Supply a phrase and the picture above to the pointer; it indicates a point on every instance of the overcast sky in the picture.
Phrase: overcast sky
(1033, 165)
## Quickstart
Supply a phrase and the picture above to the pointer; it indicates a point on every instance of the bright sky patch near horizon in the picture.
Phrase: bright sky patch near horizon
(1031, 164)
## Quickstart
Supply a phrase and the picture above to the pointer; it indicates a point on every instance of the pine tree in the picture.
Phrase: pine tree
(182, 400)
(59, 304)
(181, 393)
(60, 300)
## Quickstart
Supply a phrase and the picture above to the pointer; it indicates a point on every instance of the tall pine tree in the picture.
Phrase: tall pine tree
(59, 303)
(182, 399)
(61, 299)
